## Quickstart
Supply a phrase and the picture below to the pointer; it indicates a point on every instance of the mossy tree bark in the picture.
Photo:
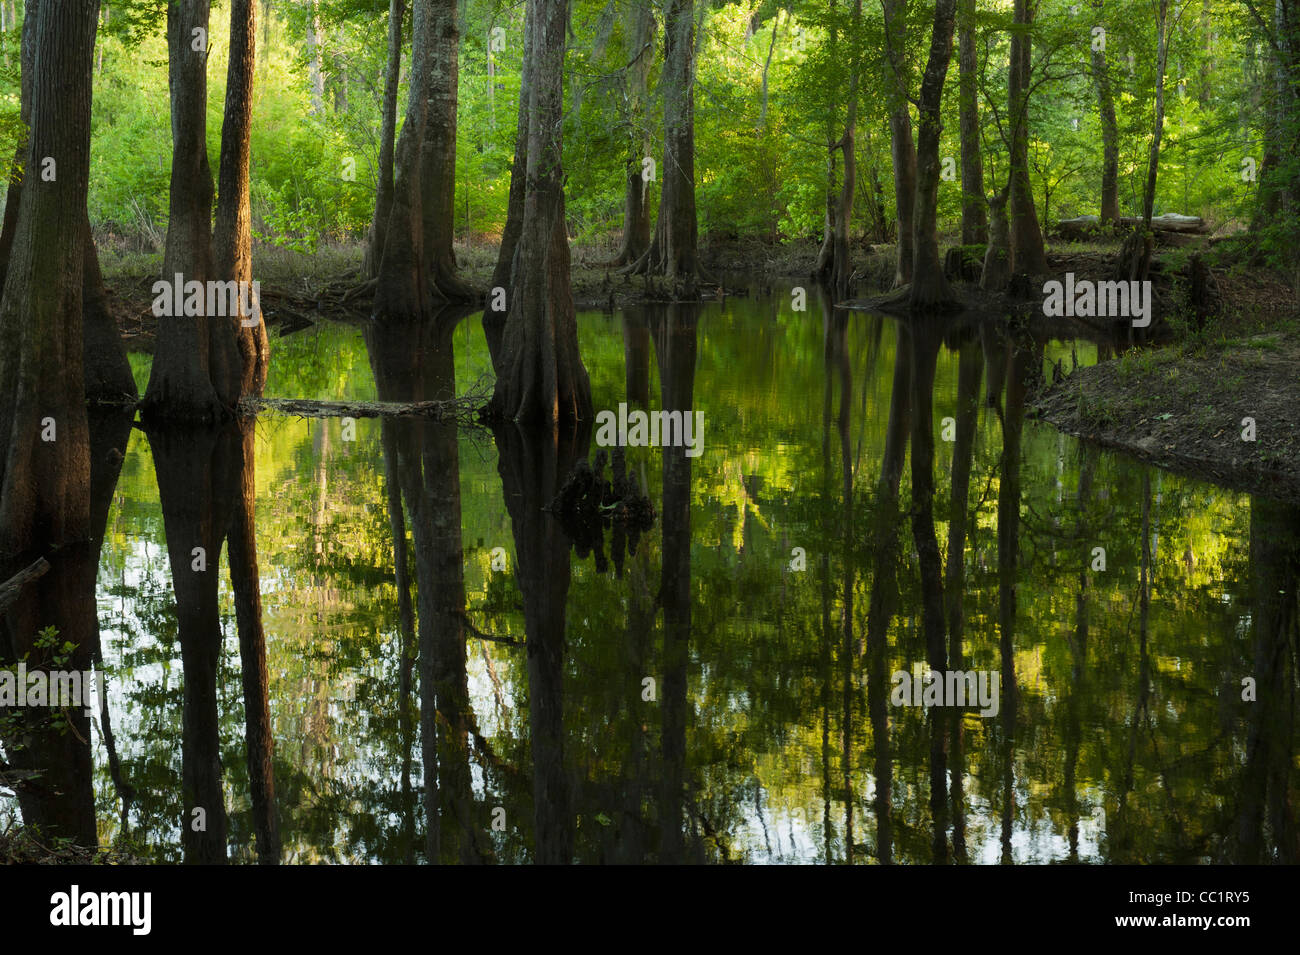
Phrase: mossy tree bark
(44, 480)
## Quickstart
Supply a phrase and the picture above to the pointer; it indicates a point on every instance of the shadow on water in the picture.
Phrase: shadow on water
(406, 655)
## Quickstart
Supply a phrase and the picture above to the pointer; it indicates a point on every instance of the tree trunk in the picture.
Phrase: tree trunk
(232, 239)
(636, 205)
(1027, 254)
(541, 377)
(1109, 134)
(107, 370)
(974, 220)
(767, 66)
(315, 66)
(902, 148)
(673, 252)
(929, 287)
(387, 138)
(438, 158)
(22, 152)
(834, 263)
(494, 320)
(417, 266)
(196, 359)
(1158, 126)
(44, 484)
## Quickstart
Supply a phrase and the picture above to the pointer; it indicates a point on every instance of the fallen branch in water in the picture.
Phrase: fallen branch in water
(464, 409)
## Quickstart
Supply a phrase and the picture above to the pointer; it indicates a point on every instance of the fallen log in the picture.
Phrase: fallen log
(1086, 226)
(464, 408)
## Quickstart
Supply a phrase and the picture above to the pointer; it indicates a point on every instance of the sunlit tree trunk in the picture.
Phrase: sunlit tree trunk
(387, 140)
(232, 241)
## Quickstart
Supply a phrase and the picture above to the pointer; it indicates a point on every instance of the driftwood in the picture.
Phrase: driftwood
(12, 587)
(1086, 226)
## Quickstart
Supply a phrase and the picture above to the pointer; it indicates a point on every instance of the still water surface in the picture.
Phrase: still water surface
(718, 689)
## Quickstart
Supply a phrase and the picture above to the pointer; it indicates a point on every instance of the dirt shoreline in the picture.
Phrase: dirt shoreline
(1185, 409)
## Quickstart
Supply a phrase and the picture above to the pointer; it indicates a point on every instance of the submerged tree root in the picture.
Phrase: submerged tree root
(588, 504)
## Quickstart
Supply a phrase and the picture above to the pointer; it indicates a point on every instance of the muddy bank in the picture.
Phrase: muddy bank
(1226, 414)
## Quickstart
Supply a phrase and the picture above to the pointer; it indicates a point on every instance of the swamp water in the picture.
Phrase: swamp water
(723, 686)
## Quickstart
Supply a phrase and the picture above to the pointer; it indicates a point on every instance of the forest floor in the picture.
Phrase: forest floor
(1218, 403)
(1223, 411)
